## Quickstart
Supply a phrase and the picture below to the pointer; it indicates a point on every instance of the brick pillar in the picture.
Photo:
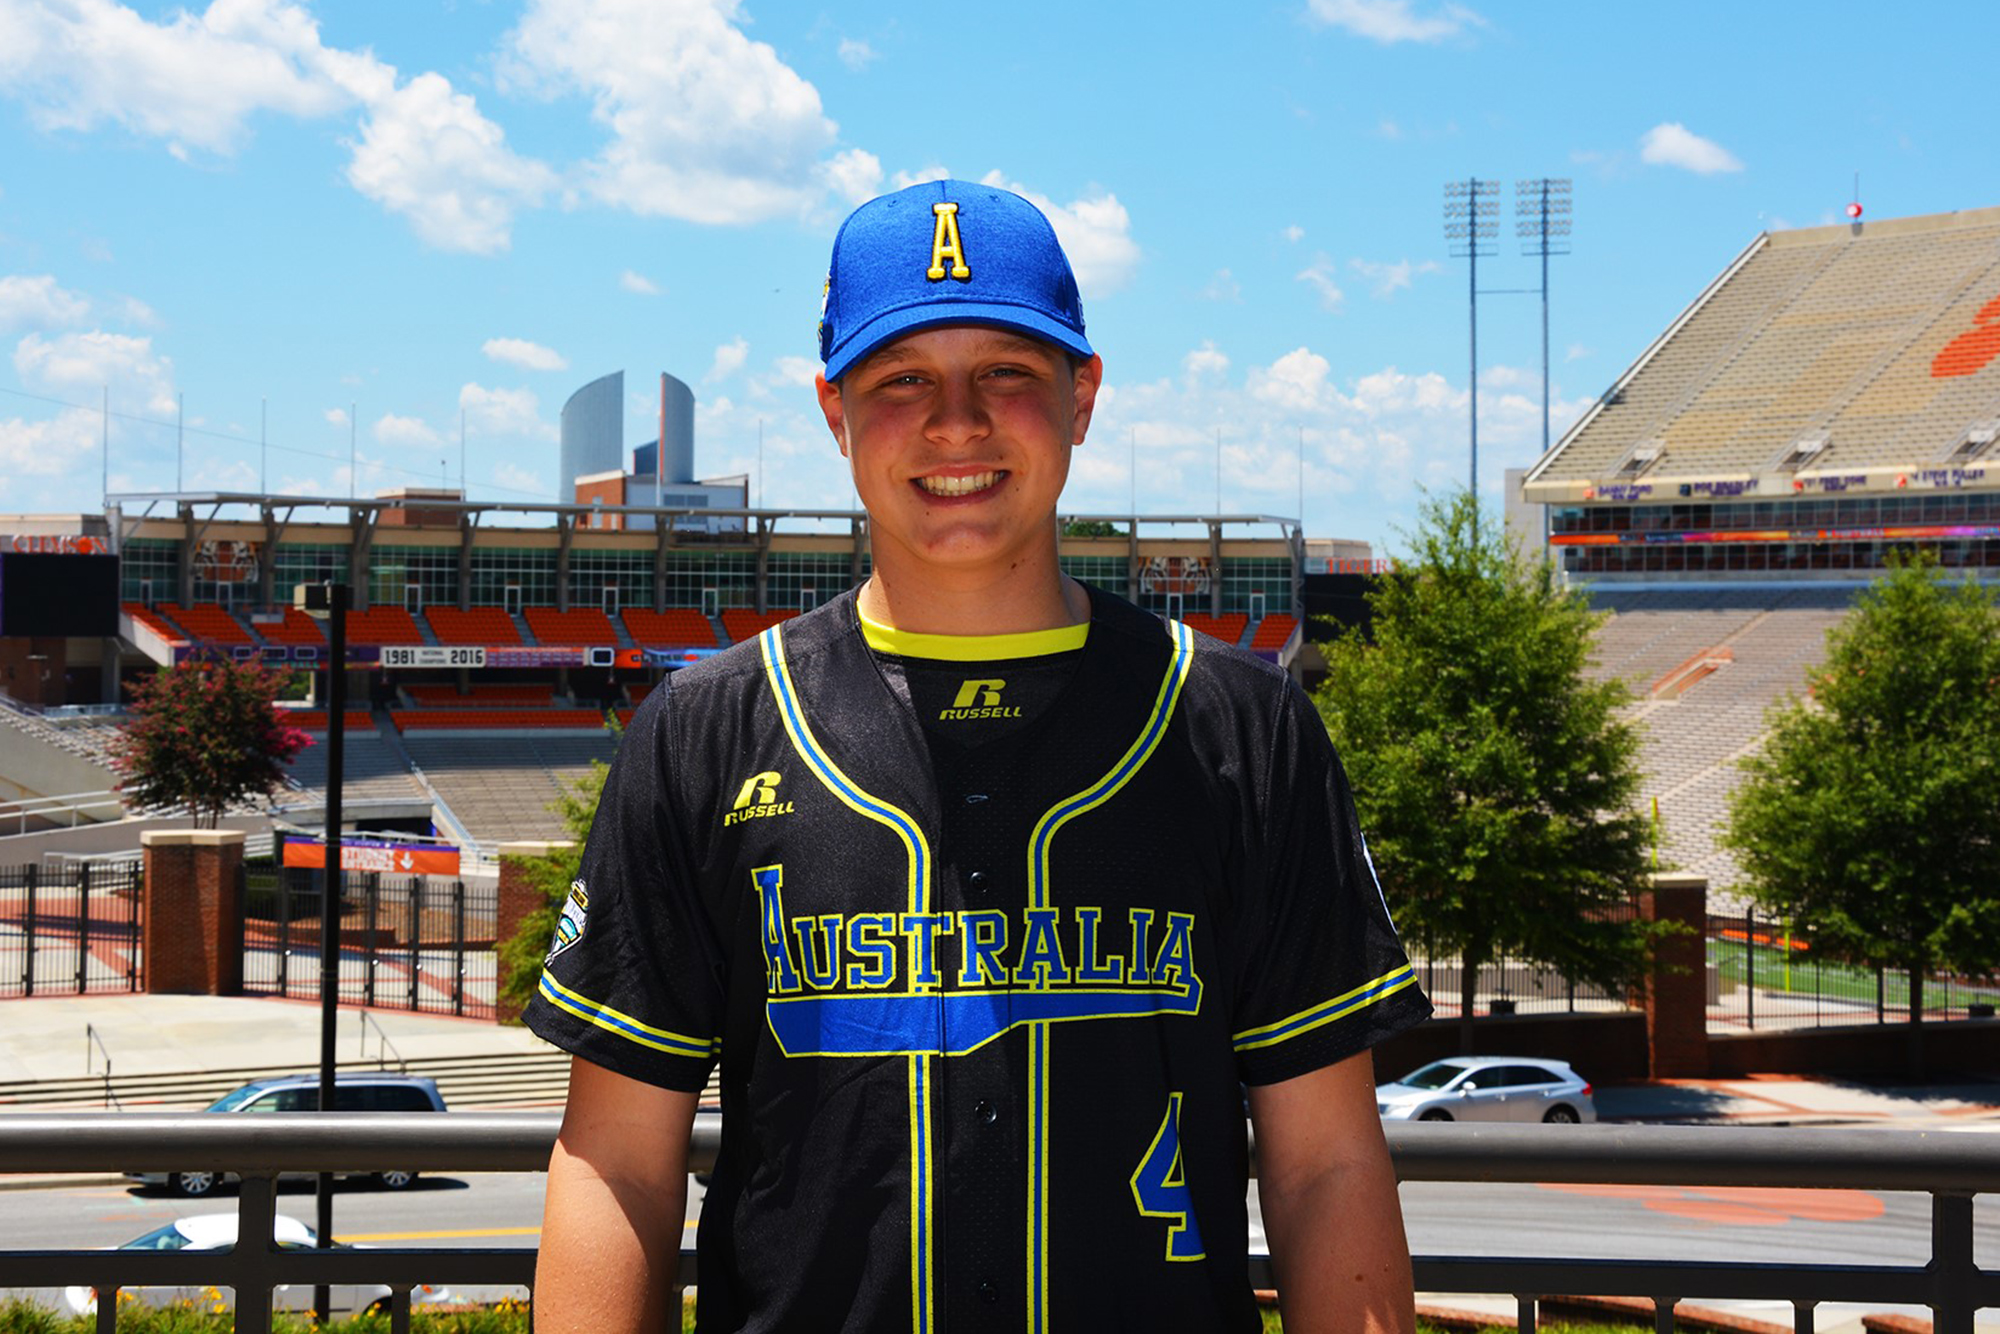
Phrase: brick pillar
(518, 898)
(1676, 992)
(191, 927)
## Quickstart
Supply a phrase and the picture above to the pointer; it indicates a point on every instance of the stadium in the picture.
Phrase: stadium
(1830, 397)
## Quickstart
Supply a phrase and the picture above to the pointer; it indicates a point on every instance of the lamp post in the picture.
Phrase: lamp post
(1541, 221)
(1471, 216)
(332, 599)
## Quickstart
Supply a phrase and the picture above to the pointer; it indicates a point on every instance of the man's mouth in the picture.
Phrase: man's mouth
(959, 486)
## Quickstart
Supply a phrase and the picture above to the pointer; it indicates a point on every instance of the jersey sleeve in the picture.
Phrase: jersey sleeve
(633, 980)
(1321, 974)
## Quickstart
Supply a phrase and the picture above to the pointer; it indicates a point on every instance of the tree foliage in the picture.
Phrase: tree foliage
(521, 954)
(1494, 778)
(1871, 816)
(205, 735)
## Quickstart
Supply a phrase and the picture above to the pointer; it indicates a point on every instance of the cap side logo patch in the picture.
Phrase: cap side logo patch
(945, 245)
(569, 926)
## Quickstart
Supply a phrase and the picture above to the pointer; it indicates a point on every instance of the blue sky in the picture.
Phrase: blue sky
(418, 213)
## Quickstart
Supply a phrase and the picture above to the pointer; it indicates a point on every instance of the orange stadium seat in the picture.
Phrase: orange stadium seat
(582, 625)
(743, 623)
(480, 625)
(1229, 629)
(409, 720)
(382, 625)
(208, 623)
(1273, 631)
(153, 621)
(296, 628)
(484, 696)
(676, 627)
(315, 720)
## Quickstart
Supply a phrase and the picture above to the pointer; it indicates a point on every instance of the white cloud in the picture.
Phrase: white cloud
(87, 361)
(504, 412)
(786, 377)
(1672, 144)
(1320, 277)
(427, 153)
(1576, 352)
(1295, 382)
(529, 356)
(196, 82)
(639, 283)
(729, 359)
(1223, 287)
(513, 477)
(903, 180)
(705, 125)
(408, 432)
(36, 302)
(854, 176)
(1388, 279)
(1205, 360)
(134, 311)
(336, 416)
(1389, 21)
(1294, 233)
(51, 447)
(856, 55)
(1096, 233)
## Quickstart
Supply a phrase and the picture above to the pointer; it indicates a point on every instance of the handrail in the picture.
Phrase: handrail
(91, 1038)
(382, 1047)
(72, 803)
(1951, 1168)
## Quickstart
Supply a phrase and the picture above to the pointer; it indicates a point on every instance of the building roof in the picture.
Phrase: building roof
(1826, 359)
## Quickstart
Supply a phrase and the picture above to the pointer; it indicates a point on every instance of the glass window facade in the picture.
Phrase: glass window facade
(145, 560)
(1764, 536)
(591, 572)
(790, 573)
(433, 569)
(732, 574)
(1110, 573)
(1245, 576)
(533, 569)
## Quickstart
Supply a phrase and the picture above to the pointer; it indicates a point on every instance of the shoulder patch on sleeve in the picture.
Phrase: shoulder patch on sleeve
(569, 926)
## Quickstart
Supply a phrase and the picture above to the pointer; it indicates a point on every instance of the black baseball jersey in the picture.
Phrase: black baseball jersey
(983, 1002)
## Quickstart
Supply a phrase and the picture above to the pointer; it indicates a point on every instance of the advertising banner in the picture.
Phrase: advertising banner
(371, 855)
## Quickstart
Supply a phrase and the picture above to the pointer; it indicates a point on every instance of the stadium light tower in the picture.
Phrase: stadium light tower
(1541, 220)
(1471, 218)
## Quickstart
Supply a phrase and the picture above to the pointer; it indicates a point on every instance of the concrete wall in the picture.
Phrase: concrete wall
(30, 766)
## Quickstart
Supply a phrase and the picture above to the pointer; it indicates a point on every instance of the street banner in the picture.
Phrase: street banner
(371, 855)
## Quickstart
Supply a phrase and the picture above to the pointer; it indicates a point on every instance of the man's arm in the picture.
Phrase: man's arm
(617, 1200)
(1331, 1214)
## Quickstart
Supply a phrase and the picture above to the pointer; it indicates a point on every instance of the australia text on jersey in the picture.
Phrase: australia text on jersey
(947, 983)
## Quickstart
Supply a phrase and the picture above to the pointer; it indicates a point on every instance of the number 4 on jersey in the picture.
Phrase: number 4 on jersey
(1159, 1187)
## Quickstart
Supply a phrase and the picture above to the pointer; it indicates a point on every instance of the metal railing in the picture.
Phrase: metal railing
(1951, 1169)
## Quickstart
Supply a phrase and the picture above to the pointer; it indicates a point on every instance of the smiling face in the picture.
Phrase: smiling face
(959, 439)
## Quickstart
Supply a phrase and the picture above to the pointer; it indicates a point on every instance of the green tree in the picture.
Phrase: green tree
(205, 735)
(1494, 777)
(1871, 815)
(1091, 528)
(521, 955)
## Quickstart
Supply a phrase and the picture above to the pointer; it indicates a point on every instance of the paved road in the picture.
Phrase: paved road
(503, 1209)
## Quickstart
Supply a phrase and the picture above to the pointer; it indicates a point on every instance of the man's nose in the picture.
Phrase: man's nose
(959, 416)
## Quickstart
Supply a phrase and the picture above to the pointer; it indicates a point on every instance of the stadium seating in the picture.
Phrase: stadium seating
(497, 695)
(296, 629)
(315, 720)
(582, 625)
(382, 625)
(370, 770)
(410, 720)
(499, 788)
(1229, 629)
(205, 622)
(1273, 632)
(480, 625)
(158, 624)
(676, 627)
(741, 623)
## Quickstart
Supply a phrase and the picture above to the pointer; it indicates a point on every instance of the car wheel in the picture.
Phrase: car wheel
(1435, 1114)
(1560, 1115)
(395, 1180)
(193, 1183)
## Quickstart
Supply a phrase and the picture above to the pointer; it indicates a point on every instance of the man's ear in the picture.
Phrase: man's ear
(1089, 375)
(835, 411)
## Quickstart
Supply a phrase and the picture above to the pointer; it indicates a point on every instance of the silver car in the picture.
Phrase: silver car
(1488, 1088)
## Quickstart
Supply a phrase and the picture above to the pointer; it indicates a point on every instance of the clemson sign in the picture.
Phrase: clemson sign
(369, 855)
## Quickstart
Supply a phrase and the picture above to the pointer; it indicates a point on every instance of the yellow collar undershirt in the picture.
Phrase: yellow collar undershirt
(972, 648)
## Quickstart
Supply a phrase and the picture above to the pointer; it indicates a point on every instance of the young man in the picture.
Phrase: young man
(990, 892)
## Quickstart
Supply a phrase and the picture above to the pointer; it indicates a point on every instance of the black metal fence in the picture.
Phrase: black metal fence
(1951, 1169)
(1771, 974)
(406, 943)
(1512, 985)
(69, 929)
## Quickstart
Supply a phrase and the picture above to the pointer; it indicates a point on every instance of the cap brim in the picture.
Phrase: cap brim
(891, 325)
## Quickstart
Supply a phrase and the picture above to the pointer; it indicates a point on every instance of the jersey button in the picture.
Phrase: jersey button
(977, 880)
(988, 1293)
(986, 1112)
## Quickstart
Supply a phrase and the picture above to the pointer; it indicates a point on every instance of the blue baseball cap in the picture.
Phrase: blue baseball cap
(946, 252)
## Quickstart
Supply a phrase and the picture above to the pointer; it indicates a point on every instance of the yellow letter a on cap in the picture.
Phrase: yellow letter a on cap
(945, 245)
